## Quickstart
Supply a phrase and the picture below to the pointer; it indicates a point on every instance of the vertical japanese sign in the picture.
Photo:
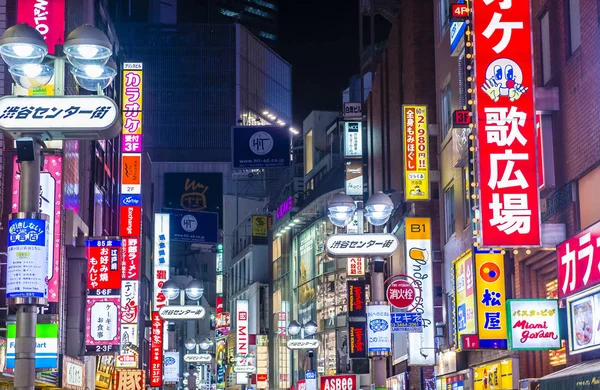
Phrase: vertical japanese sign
(353, 139)
(103, 307)
(464, 296)
(161, 275)
(241, 323)
(419, 266)
(48, 17)
(508, 183)
(357, 298)
(357, 335)
(491, 300)
(416, 153)
(50, 204)
(131, 142)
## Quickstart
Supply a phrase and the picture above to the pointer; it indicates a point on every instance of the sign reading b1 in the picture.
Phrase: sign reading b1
(260, 147)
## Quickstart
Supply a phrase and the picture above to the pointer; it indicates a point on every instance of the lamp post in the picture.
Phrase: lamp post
(378, 209)
(309, 329)
(24, 50)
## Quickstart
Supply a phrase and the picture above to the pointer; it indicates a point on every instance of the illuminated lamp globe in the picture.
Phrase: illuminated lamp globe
(379, 208)
(341, 208)
(190, 344)
(22, 44)
(194, 290)
(170, 289)
(87, 45)
(205, 344)
(294, 328)
(310, 328)
(31, 76)
(95, 78)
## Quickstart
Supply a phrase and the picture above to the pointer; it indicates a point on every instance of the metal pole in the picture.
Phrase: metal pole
(378, 363)
(29, 201)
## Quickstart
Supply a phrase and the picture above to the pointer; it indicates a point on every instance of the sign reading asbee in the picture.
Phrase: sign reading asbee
(349, 245)
(339, 382)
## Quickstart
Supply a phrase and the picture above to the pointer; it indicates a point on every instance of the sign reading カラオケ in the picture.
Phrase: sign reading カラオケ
(509, 196)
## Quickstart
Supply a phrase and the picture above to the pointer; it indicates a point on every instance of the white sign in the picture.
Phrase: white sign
(171, 366)
(353, 139)
(241, 321)
(107, 313)
(181, 312)
(74, 374)
(352, 110)
(197, 358)
(358, 245)
(162, 247)
(533, 323)
(303, 344)
(27, 258)
(133, 66)
(419, 260)
(355, 266)
(379, 332)
(244, 369)
(59, 116)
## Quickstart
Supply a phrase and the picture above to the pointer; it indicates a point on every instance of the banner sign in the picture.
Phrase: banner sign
(509, 192)
(416, 153)
(464, 297)
(410, 322)
(379, 332)
(194, 226)
(171, 366)
(46, 346)
(104, 273)
(491, 300)
(162, 255)
(339, 382)
(577, 262)
(51, 203)
(129, 380)
(353, 140)
(357, 339)
(242, 337)
(130, 258)
(195, 191)
(260, 147)
(48, 17)
(27, 257)
(370, 244)
(102, 327)
(533, 324)
(156, 351)
(354, 178)
(131, 221)
(132, 102)
(419, 266)
(357, 297)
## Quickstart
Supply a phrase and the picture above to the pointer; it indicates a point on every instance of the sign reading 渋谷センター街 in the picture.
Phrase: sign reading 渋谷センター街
(509, 195)
(416, 153)
(533, 324)
(373, 244)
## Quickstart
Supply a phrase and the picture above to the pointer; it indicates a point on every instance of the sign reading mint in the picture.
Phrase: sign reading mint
(260, 147)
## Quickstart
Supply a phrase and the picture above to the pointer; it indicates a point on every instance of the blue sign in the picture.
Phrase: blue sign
(260, 147)
(131, 200)
(310, 375)
(407, 322)
(27, 258)
(194, 226)
(457, 32)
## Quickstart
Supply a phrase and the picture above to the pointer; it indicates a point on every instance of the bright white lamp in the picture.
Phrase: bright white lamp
(170, 289)
(379, 208)
(341, 208)
(294, 328)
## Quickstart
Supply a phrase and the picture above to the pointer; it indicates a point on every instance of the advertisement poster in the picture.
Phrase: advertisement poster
(357, 297)
(195, 191)
(27, 258)
(51, 202)
(533, 324)
(583, 319)
(105, 367)
(171, 367)
(194, 226)
(354, 177)
(260, 147)
(306, 289)
(260, 226)
(379, 331)
(73, 374)
(104, 271)
(46, 350)
(464, 296)
(509, 199)
(102, 329)
(491, 300)
(131, 173)
(419, 266)
(357, 339)
(416, 153)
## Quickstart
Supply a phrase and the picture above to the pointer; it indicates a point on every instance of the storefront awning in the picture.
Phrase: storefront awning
(582, 376)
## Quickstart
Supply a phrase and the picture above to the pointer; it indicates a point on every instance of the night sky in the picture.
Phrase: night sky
(319, 38)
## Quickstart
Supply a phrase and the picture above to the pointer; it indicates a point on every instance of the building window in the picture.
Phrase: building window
(449, 211)
(446, 109)
(308, 152)
(444, 16)
(546, 65)
(574, 25)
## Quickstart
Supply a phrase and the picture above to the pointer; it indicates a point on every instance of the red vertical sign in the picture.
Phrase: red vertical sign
(509, 196)
(46, 16)
(156, 350)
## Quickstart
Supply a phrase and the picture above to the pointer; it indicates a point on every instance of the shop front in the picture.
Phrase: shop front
(398, 382)
(497, 375)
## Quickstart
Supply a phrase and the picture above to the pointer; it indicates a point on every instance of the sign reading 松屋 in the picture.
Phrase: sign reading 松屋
(416, 153)
(491, 300)
(509, 195)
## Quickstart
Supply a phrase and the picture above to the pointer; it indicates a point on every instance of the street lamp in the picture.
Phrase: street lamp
(190, 344)
(310, 328)
(205, 344)
(379, 209)
(341, 209)
(194, 290)
(171, 290)
(294, 328)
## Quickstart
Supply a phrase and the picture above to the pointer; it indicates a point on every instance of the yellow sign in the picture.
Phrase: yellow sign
(418, 229)
(494, 376)
(491, 299)
(416, 153)
(105, 367)
(464, 296)
(260, 226)
(132, 100)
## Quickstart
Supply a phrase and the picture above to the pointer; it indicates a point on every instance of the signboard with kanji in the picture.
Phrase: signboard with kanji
(104, 271)
(373, 244)
(416, 153)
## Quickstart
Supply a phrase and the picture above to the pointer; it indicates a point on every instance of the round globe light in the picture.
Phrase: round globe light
(294, 328)
(87, 45)
(170, 289)
(341, 208)
(31, 76)
(94, 77)
(310, 328)
(379, 208)
(190, 344)
(22, 44)
(205, 344)
(194, 290)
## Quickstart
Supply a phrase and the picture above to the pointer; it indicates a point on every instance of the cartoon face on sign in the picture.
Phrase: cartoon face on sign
(503, 77)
